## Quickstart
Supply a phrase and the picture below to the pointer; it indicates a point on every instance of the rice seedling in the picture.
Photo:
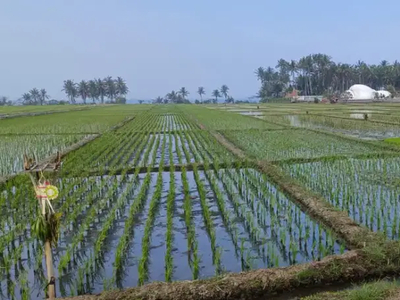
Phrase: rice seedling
(212, 215)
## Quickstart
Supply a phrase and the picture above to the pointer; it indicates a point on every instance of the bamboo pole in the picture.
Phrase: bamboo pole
(51, 290)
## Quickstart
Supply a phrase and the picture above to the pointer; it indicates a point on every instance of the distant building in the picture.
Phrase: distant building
(293, 94)
(364, 92)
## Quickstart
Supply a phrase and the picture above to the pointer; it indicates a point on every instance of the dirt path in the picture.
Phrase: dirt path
(256, 284)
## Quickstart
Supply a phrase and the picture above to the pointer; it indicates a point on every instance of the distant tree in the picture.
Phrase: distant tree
(83, 90)
(92, 90)
(141, 101)
(35, 96)
(224, 91)
(216, 94)
(172, 97)
(120, 100)
(201, 92)
(183, 92)
(197, 101)
(3, 100)
(121, 87)
(111, 88)
(27, 99)
(180, 99)
(101, 89)
(159, 100)
(43, 96)
(71, 90)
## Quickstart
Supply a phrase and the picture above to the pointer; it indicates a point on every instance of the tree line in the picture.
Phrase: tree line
(180, 96)
(318, 74)
(98, 90)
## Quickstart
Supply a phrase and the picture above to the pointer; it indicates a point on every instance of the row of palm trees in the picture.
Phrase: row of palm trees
(318, 74)
(96, 90)
(180, 96)
(35, 97)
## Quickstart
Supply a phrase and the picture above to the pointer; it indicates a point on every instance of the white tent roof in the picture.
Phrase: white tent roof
(361, 91)
(384, 93)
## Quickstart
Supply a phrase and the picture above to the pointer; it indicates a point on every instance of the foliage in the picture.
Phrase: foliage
(47, 228)
(315, 74)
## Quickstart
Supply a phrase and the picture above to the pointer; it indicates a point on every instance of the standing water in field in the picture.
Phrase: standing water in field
(367, 189)
(239, 221)
(359, 128)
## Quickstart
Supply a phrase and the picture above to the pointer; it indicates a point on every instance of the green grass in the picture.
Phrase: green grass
(393, 141)
(286, 144)
(94, 120)
(379, 290)
(215, 119)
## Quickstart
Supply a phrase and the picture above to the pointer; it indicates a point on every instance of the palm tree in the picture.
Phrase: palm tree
(35, 95)
(183, 92)
(110, 88)
(43, 96)
(260, 73)
(317, 74)
(172, 96)
(224, 91)
(101, 89)
(26, 99)
(70, 90)
(92, 90)
(216, 94)
(159, 100)
(3, 100)
(83, 90)
(121, 87)
(201, 92)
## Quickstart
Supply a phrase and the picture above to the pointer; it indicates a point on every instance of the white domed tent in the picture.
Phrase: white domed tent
(384, 94)
(360, 92)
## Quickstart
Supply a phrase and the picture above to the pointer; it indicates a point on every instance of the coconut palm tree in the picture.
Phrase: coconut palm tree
(183, 92)
(172, 96)
(201, 92)
(101, 89)
(224, 91)
(35, 95)
(83, 90)
(121, 87)
(159, 100)
(216, 94)
(92, 90)
(43, 96)
(26, 99)
(3, 100)
(111, 88)
(71, 90)
(260, 73)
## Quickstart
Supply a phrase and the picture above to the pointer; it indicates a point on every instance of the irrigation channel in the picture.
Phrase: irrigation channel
(156, 200)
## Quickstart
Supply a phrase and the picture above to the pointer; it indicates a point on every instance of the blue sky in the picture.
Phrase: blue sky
(160, 45)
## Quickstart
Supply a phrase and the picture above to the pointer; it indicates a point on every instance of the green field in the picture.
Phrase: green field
(182, 192)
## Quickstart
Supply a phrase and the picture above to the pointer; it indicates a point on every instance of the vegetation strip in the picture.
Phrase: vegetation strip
(163, 168)
(33, 114)
(317, 206)
(68, 150)
(260, 284)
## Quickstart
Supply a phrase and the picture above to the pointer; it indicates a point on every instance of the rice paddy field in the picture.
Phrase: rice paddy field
(169, 193)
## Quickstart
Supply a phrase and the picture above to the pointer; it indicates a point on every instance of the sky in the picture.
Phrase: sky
(161, 45)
